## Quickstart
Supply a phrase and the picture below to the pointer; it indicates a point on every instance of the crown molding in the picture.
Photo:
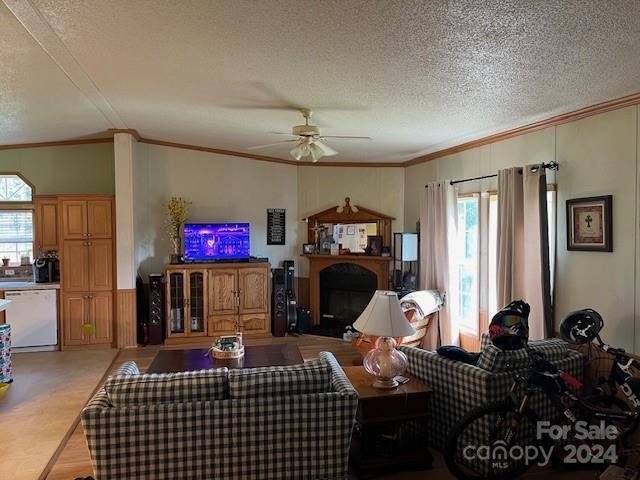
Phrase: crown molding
(131, 131)
(58, 143)
(220, 151)
(615, 104)
(556, 120)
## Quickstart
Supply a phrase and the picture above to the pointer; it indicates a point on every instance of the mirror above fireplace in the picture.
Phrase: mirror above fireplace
(353, 222)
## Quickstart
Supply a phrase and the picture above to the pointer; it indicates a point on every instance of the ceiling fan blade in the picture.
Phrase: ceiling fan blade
(282, 133)
(346, 137)
(271, 144)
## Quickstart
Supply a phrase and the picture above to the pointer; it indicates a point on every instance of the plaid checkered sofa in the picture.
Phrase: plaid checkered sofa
(217, 424)
(458, 387)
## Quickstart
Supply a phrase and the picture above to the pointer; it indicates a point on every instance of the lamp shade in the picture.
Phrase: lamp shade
(383, 317)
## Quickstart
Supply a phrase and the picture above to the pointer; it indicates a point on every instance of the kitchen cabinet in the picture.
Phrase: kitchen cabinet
(45, 224)
(86, 218)
(87, 267)
(87, 318)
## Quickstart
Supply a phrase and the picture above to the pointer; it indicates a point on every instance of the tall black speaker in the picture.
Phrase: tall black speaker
(292, 303)
(278, 303)
(155, 325)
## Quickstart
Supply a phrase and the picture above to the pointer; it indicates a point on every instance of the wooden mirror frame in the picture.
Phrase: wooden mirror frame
(346, 215)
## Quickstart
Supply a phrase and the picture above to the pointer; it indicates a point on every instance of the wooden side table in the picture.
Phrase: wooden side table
(378, 442)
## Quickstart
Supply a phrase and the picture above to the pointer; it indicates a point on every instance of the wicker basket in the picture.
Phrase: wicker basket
(227, 354)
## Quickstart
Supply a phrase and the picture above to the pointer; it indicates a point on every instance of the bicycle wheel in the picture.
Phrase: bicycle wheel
(489, 443)
(571, 443)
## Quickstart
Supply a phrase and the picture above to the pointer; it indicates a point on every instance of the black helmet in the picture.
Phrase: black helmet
(581, 326)
(509, 328)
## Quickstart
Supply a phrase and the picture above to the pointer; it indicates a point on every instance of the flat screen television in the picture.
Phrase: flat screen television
(205, 242)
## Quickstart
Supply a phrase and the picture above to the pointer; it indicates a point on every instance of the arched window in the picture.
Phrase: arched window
(16, 218)
(14, 188)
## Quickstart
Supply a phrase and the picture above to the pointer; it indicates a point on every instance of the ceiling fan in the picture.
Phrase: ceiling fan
(309, 140)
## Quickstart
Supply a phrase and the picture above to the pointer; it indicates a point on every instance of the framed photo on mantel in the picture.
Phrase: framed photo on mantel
(590, 224)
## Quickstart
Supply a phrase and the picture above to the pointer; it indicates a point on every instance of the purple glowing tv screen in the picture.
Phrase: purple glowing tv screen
(216, 241)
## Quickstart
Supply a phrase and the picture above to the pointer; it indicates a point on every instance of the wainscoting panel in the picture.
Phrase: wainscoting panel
(301, 285)
(126, 318)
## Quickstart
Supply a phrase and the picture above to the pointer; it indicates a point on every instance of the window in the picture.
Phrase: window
(476, 256)
(16, 218)
(467, 261)
(14, 189)
(16, 235)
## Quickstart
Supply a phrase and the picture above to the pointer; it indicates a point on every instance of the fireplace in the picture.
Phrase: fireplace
(340, 286)
(345, 291)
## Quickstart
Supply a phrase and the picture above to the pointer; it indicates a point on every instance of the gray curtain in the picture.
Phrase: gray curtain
(523, 245)
(438, 220)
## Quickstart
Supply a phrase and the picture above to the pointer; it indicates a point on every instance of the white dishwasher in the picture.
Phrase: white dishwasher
(33, 317)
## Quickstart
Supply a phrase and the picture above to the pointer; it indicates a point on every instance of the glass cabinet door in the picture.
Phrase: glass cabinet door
(176, 302)
(196, 302)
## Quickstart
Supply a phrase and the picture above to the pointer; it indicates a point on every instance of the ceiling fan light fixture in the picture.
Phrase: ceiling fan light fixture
(300, 151)
(326, 150)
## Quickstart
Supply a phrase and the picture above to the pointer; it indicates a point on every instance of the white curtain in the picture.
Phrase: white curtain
(523, 245)
(438, 218)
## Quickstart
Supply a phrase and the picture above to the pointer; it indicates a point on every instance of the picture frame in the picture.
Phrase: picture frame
(590, 224)
(374, 245)
(308, 248)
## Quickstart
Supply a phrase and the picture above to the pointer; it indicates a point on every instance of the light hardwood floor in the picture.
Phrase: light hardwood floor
(40, 406)
(73, 459)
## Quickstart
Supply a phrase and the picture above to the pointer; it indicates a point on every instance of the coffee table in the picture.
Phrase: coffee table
(167, 361)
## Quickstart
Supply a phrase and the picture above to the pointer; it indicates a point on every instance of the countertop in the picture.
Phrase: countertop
(4, 286)
(4, 304)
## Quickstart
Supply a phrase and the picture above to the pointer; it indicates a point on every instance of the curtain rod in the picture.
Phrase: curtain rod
(550, 166)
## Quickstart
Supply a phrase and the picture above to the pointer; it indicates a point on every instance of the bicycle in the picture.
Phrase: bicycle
(501, 440)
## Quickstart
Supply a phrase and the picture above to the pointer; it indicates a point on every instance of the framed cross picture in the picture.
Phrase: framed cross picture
(589, 224)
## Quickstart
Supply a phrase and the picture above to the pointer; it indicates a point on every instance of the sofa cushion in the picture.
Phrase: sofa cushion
(311, 377)
(178, 387)
(493, 359)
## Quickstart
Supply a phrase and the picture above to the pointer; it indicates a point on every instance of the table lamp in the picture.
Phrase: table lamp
(384, 318)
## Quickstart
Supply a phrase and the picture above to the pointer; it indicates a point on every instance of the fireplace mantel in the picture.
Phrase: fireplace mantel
(317, 263)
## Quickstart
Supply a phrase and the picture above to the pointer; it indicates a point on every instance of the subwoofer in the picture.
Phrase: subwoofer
(278, 303)
(155, 326)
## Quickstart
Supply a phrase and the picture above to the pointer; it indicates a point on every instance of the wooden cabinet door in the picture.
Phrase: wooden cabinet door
(222, 325)
(253, 286)
(223, 284)
(99, 219)
(176, 299)
(254, 323)
(196, 303)
(75, 314)
(74, 219)
(101, 315)
(75, 266)
(100, 265)
(46, 225)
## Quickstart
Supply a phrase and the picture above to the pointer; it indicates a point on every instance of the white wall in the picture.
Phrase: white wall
(222, 189)
(125, 243)
(597, 156)
(319, 188)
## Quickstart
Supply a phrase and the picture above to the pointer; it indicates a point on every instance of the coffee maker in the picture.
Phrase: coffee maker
(46, 269)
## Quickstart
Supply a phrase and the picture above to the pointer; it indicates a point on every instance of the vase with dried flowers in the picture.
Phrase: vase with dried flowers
(177, 213)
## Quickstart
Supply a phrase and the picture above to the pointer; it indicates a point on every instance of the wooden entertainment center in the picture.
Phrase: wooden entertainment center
(213, 299)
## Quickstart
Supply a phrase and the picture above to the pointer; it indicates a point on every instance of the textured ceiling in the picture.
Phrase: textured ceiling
(415, 76)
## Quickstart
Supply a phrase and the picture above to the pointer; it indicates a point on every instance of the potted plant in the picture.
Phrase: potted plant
(177, 212)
